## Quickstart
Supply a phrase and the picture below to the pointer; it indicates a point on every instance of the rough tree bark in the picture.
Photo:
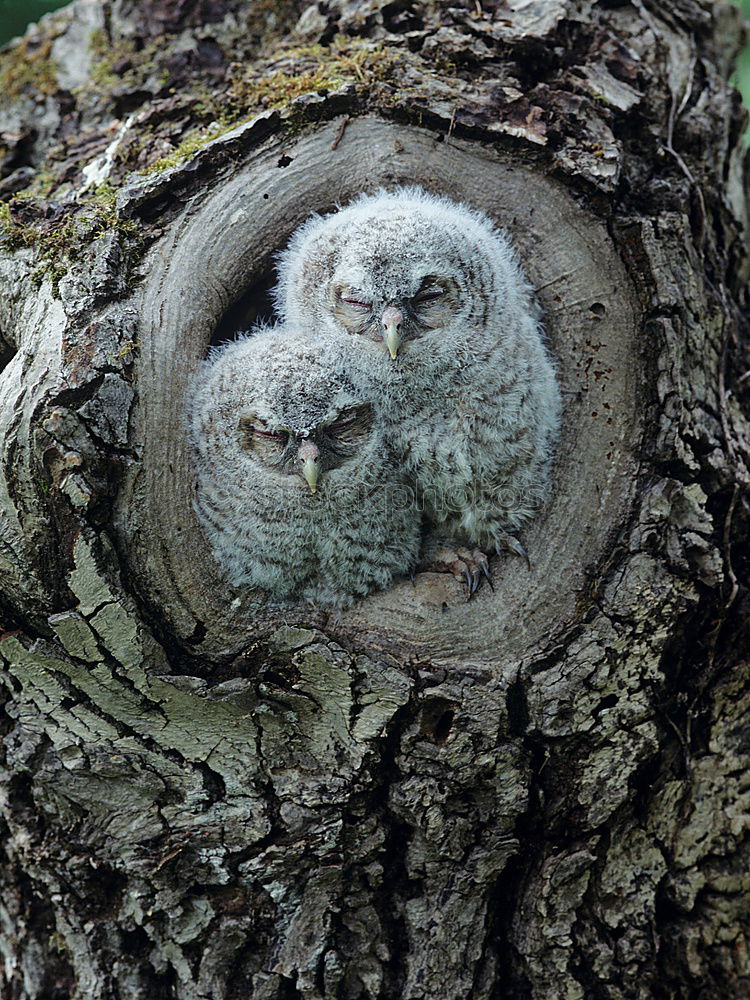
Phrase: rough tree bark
(539, 794)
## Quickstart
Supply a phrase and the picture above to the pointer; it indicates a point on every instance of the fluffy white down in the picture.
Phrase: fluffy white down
(265, 527)
(471, 405)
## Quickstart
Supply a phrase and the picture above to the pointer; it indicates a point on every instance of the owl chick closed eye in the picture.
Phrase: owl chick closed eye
(448, 341)
(297, 490)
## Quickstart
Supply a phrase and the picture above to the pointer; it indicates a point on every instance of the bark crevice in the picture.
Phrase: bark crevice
(535, 795)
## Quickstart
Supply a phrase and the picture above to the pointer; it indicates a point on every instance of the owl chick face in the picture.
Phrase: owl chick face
(310, 452)
(403, 270)
(394, 311)
(287, 413)
(386, 288)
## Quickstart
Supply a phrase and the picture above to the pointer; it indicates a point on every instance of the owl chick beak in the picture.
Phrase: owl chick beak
(392, 320)
(308, 456)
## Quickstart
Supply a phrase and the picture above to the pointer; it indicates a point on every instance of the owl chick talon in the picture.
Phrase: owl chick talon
(469, 567)
(510, 544)
(476, 581)
(485, 568)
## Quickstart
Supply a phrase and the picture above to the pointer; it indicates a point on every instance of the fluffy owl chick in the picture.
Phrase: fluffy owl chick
(448, 338)
(297, 489)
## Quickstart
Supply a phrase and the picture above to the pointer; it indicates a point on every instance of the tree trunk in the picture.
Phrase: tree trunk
(541, 793)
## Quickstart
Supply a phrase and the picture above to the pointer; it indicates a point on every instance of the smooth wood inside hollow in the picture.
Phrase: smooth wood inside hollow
(225, 243)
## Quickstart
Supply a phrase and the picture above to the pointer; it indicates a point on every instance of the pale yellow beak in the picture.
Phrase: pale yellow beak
(310, 472)
(393, 340)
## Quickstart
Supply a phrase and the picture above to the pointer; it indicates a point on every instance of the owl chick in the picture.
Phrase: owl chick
(449, 342)
(297, 489)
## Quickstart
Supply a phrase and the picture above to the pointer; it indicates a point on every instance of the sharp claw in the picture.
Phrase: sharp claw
(467, 566)
(521, 551)
(511, 544)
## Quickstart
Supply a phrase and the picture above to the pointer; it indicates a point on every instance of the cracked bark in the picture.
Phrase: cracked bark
(540, 794)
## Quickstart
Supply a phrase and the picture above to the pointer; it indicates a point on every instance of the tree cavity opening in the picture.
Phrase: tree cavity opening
(255, 305)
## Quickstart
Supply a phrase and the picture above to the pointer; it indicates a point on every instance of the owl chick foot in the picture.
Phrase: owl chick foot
(467, 565)
(509, 543)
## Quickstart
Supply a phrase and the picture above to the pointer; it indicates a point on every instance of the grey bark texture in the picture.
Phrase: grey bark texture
(540, 794)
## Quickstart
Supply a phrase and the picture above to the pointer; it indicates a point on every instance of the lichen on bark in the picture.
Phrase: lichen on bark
(538, 794)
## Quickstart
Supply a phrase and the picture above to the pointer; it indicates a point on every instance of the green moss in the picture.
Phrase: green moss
(313, 69)
(57, 943)
(195, 139)
(14, 235)
(135, 66)
(268, 20)
(445, 66)
(99, 46)
(102, 59)
(54, 248)
(128, 348)
(307, 69)
(60, 245)
(105, 195)
(27, 67)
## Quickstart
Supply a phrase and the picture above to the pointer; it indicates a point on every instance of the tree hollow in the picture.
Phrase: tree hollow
(224, 244)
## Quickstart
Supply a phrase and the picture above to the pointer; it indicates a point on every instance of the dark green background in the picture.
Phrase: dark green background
(743, 63)
(16, 14)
